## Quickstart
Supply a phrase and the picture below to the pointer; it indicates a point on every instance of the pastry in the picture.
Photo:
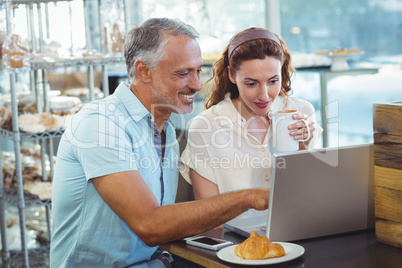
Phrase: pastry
(42, 189)
(36, 123)
(117, 39)
(258, 247)
(30, 149)
(15, 51)
(5, 115)
(339, 51)
(82, 93)
(91, 54)
(64, 105)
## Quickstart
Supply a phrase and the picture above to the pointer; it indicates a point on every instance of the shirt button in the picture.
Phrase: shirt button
(155, 134)
(149, 117)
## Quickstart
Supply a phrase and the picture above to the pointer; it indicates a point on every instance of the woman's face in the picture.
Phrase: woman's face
(259, 83)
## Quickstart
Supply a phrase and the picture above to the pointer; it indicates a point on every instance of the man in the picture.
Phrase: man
(116, 173)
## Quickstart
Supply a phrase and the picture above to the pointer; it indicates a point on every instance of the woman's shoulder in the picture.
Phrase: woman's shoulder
(214, 111)
(215, 117)
(209, 113)
(204, 118)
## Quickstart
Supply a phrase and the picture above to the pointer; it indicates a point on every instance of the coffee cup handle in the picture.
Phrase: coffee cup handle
(308, 131)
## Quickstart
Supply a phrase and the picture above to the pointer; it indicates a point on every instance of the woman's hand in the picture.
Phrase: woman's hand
(299, 130)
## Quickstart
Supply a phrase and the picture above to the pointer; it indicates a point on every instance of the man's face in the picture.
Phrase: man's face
(176, 78)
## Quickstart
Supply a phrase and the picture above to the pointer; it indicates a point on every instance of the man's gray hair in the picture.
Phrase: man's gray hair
(147, 41)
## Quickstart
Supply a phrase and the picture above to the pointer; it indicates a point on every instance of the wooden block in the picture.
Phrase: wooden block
(388, 204)
(387, 119)
(389, 232)
(386, 139)
(388, 150)
(387, 125)
(388, 177)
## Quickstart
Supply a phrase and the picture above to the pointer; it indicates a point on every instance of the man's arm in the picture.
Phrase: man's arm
(130, 197)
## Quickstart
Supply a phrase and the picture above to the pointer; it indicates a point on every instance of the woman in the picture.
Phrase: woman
(229, 143)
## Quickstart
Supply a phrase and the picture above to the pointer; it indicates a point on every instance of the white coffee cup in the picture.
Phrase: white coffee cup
(282, 141)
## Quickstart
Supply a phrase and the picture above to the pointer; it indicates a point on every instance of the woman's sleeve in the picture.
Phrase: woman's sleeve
(198, 149)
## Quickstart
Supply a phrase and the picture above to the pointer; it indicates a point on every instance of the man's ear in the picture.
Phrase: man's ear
(231, 77)
(143, 72)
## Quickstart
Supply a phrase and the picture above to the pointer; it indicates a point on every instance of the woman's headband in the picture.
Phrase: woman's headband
(252, 35)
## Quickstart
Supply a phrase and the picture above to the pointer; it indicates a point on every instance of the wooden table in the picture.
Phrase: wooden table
(200, 256)
(357, 249)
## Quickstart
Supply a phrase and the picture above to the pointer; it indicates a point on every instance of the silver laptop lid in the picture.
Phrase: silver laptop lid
(321, 192)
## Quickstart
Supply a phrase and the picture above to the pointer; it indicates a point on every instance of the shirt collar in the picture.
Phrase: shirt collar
(133, 105)
(227, 109)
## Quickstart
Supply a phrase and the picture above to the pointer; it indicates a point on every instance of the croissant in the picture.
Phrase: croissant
(258, 247)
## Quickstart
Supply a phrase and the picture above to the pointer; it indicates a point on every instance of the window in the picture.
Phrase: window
(374, 26)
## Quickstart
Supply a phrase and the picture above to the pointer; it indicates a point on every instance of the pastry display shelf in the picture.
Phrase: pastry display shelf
(38, 257)
(74, 62)
(53, 63)
(32, 136)
(11, 196)
(25, 2)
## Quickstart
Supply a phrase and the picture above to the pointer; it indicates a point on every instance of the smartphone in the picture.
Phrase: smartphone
(207, 242)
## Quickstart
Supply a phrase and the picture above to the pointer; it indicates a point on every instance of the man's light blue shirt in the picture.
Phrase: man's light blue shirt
(107, 136)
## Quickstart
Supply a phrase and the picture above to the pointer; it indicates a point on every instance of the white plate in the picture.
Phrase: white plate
(292, 251)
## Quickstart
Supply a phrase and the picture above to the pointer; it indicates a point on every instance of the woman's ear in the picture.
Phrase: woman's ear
(231, 76)
(142, 71)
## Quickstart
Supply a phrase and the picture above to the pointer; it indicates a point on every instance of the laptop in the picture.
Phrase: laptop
(316, 193)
